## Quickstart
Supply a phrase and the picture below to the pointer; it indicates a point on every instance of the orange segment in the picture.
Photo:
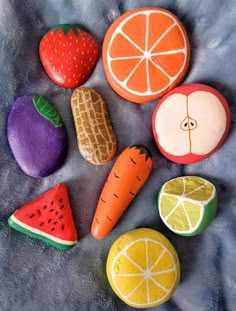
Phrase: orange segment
(135, 33)
(123, 67)
(173, 40)
(138, 85)
(158, 80)
(130, 49)
(161, 26)
(143, 33)
(169, 62)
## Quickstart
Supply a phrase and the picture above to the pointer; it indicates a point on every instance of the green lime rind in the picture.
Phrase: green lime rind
(142, 150)
(19, 228)
(47, 110)
(66, 27)
(208, 216)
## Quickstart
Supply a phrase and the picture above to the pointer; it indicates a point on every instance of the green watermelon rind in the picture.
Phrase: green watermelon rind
(41, 235)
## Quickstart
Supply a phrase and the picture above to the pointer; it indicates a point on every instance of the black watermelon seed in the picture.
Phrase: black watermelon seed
(62, 227)
(49, 220)
(51, 210)
(52, 229)
(52, 202)
(41, 223)
(56, 213)
(55, 223)
(38, 211)
(45, 206)
(60, 200)
(31, 216)
(62, 206)
(61, 217)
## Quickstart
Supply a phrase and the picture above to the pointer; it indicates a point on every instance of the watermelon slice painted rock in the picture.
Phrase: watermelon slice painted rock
(36, 135)
(48, 217)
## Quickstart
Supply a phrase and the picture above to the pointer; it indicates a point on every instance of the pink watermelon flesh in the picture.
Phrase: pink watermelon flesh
(49, 213)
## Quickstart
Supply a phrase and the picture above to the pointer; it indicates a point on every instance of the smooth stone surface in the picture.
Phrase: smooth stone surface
(146, 53)
(68, 55)
(143, 268)
(37, 136)
(95, 136)
(190, 123)
(48, 217)
(127, 176)
(187, 205)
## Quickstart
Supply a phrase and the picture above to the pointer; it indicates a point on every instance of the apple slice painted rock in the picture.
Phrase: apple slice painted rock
(36, 135)
(190, 123)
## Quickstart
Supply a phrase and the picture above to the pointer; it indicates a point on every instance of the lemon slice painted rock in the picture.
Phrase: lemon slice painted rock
(143, 268)
(187, 205)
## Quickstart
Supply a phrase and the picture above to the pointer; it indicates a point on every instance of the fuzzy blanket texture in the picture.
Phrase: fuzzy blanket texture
(35, 276)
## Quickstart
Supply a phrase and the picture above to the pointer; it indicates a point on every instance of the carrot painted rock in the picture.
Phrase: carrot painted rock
(48, 218)
(95, 136)
(128, 175)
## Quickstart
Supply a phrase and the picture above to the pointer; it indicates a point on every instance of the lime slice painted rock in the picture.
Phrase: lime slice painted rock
(48, 218)
(187, 205)
(36, 135)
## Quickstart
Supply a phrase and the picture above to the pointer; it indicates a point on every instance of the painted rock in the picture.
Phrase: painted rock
(190, 123)
(95, 136)
(187, 205)
(128, 175)
(68, 55)
(143, 268)
(36, 135)
(146, 53)
(48, 218)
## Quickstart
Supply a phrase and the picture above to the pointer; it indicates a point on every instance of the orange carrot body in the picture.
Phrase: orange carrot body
(126, 178)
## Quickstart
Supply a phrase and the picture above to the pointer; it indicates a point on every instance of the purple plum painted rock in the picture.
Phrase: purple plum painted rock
(36, 135)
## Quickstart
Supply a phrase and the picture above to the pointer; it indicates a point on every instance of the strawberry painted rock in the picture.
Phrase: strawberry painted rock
(36, 135)
(48, 218)
(68, 55)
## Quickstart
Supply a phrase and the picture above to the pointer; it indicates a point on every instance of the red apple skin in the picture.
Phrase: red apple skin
(187, 89)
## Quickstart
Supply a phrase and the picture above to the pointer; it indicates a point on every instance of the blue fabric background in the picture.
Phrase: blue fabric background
(35, 276)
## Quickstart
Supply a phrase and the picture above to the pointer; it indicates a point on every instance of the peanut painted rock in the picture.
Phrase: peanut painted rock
(95, 136)
(36, 135)
(48, 217)
(187, 205)
(68, 55)
(190, 123)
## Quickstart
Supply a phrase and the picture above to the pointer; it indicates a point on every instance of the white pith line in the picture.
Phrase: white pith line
(147, 74)
(161, 37)
(186, 215)
(173, 210)
(125, 57)
(131, 41)
(159, 285)
(133, 70)
(168, 52)
(147, 265)
(158, 259)
(161, 69)
(163, 271)
(133, 262)
(136, 287)
(198, 188)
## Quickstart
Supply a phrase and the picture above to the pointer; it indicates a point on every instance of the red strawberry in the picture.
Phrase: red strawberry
(68, 55)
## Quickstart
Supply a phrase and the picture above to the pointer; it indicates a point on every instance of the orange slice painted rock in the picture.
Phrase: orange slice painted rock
(145, 54)
(190, 123)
